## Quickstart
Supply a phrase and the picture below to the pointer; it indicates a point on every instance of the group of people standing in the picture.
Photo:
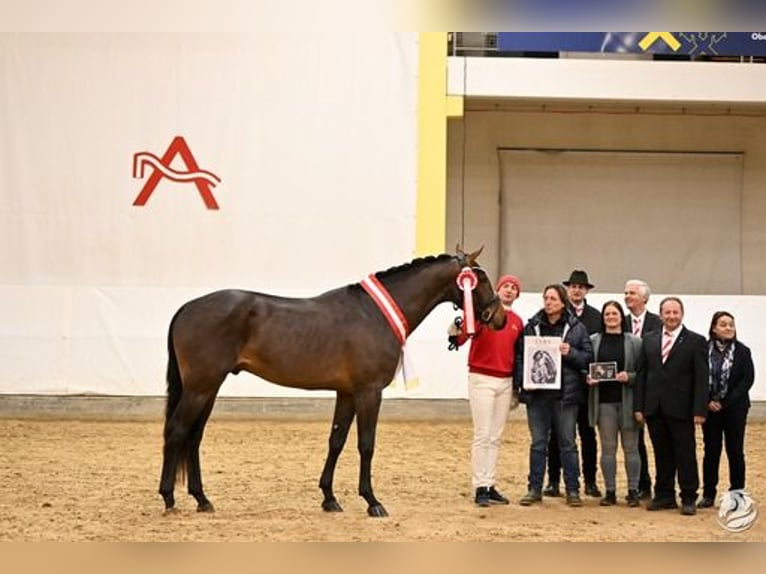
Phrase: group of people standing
(668, 380)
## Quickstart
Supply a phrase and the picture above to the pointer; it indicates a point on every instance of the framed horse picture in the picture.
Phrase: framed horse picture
(542, 363)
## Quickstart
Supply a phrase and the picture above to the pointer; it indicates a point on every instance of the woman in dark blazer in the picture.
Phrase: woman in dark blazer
(731, 376)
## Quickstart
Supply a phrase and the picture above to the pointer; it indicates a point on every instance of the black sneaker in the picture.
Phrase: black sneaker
(633, 499)
(573, 498)
(592, 490)
(688, 508)
(645, 493)
(706, 502)
(553, 489)
(496, 498)
(531, 497)
(662, 504)
(482, 497)
(610, 499)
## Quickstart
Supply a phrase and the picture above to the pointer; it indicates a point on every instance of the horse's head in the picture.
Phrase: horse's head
(486, 304)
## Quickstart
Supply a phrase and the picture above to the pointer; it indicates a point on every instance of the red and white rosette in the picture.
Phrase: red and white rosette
(467, 282)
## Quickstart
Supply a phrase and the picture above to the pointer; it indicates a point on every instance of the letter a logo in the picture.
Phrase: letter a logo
(204, 180)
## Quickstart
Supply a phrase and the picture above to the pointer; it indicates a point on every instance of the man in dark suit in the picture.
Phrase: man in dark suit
(640, 322)
(578, 286)
(671, 395)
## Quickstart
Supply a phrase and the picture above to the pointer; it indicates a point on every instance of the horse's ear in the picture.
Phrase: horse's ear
(459, 250)
(472, 257)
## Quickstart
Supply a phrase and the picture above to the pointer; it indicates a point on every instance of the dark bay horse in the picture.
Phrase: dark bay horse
(339, 340)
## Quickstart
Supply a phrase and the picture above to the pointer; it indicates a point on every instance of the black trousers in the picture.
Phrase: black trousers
(588, 450)
(728, 425)
(675, 453)
(644, 479)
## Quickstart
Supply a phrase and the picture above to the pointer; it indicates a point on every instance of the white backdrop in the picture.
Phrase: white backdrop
(314, 145)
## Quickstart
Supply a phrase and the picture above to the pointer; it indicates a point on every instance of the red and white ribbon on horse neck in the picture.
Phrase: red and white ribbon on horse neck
(387, 306)
(396, 320)
(467, 282)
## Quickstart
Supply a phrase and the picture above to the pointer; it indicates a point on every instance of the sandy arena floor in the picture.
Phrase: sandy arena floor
(69, 480)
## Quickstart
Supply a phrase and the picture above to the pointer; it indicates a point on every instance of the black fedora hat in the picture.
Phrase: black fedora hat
(579, 277)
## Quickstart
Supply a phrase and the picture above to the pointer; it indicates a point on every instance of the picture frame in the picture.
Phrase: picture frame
(542, 363)
(603, 371)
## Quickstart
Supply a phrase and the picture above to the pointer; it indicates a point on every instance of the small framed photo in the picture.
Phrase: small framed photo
(603, 371)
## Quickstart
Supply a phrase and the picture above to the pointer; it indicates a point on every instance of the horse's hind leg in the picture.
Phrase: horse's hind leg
(367, 406)
(170, 460)
(195, 473)
(186, 422)
(344, 414)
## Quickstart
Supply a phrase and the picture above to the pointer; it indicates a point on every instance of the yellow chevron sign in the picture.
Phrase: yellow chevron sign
(652, 37)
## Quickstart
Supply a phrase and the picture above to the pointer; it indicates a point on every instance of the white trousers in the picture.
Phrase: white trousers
(490, 400)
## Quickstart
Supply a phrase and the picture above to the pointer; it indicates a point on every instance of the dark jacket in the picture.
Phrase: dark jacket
(573, 366)
(677, 389)
(651, 324)
(740, 380)
(591, 318)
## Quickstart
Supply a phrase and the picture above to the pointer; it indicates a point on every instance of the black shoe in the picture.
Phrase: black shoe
(610, 499)
(592, 490)
(531, 497)
(496, 498)
(552, 489)
(662, 504)
(573, 498)
(688, 508)
(645, 493)
(706, 502)
(482, 497)
(633, 499)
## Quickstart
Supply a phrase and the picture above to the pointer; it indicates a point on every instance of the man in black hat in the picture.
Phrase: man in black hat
(578, 286)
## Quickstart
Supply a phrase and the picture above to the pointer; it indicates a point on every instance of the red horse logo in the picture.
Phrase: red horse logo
(204, 180)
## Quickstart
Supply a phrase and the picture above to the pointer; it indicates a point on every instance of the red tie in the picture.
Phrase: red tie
(667, 342)
(636, 327)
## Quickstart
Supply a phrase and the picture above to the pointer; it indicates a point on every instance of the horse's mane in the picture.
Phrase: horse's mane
(419, 262)
(415, 263)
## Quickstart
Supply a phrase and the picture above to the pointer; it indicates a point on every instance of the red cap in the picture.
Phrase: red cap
(508, 279)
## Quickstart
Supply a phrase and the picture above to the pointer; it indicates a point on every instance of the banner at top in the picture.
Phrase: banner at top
(681, 43)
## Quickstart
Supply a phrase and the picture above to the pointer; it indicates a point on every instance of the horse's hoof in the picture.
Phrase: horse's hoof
(377, 511)
(206, 507)
(170, 511)
(331, 506)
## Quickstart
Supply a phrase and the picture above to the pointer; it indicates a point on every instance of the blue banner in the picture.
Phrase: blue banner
(681, 43)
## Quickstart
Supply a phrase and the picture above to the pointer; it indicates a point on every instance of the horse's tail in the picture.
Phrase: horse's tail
(174, 392)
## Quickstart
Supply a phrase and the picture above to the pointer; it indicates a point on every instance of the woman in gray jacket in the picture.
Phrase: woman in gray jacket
(610, 401)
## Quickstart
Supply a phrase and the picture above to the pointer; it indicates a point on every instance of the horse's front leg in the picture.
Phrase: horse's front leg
(341, 421)
(367, 409)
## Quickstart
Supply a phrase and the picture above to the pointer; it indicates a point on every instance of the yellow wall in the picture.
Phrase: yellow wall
(434, 107)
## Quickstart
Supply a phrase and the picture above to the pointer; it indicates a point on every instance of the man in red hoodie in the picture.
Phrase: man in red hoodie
(490, 390)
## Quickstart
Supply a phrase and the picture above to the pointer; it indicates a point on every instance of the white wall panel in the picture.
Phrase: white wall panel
(314, 144)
